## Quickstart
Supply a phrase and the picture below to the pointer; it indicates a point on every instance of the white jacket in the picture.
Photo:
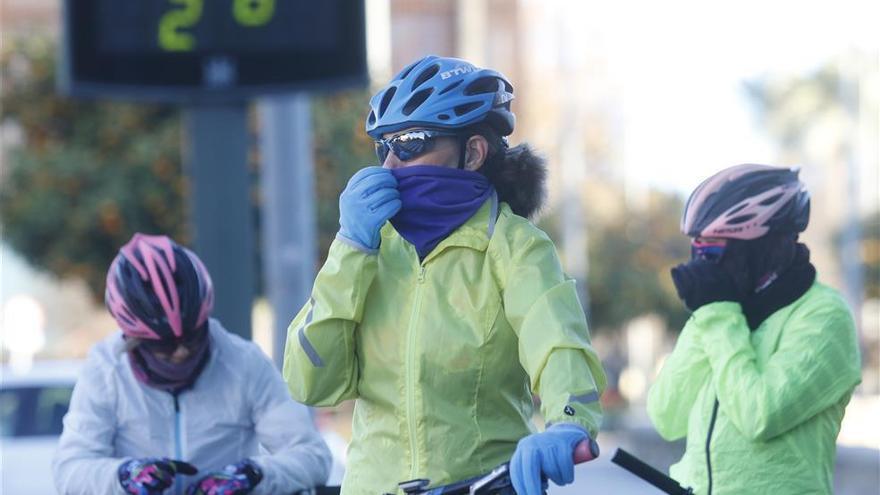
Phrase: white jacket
(238, 408)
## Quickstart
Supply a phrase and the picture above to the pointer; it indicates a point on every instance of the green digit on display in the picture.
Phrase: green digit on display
(253, 13)
(170, 37)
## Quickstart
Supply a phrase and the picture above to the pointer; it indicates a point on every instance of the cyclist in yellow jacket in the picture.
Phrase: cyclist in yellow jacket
(761, 373)
(440, 307)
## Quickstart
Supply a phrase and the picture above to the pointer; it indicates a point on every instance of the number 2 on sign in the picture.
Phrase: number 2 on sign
(170, 37)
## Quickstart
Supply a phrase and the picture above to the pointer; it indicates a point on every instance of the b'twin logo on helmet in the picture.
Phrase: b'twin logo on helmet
(502, 98)
(461, 69)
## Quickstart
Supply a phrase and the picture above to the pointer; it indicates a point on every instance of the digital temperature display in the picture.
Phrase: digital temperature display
(211, 49)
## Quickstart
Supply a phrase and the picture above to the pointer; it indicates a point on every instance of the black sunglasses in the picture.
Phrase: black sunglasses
(410, 144)
(707, 251)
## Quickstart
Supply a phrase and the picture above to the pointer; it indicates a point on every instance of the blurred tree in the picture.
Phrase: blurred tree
(630, 257)
(341, 147)
(85, 174)
(816, 120)
(790, 107)
(631, 249)
(88, 174)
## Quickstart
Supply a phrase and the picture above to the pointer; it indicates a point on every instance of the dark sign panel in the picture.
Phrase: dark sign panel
(211, 49)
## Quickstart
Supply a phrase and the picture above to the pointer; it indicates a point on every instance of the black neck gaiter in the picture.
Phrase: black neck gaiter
(770, 273)
(787, 287)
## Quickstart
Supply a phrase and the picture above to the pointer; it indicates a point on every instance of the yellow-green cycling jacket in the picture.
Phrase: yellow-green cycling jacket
(781, 393)
(443, 356)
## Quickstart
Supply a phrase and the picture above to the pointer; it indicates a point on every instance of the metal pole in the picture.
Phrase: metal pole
(850, 252)
(289, 223)
(221, 208)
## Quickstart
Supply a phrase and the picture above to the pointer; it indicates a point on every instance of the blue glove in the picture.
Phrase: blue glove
(235, 479)
(368, 201)
(151, 476)
(550, 453)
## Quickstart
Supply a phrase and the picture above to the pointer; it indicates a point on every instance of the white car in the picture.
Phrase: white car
(33, 403)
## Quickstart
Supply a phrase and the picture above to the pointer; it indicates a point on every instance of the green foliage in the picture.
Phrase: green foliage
(87, 174)
(631, 249)
(630, 256)
(341, 147)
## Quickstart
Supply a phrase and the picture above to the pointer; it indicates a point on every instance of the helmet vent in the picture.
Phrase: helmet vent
(416, 100)
(406, 70)
(737, 209)
(482, 85)
(450, 87)
(467, 107)
(772, 199)
(741, 219)
(386, 99)
(166, 288)
(372, 118)
(425, 75)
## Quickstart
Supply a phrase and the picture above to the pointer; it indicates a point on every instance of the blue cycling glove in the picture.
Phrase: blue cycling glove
(367, 202)
(549, 453)
(151, 476)
(235, 479)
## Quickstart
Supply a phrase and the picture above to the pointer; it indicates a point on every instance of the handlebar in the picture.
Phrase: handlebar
(586, 451)
(495, 481)
(662, 482)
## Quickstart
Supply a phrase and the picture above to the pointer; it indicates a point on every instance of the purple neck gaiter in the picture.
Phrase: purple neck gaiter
(436, 201)
(168, 376)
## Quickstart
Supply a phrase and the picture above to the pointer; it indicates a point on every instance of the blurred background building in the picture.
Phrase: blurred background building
(633, 104)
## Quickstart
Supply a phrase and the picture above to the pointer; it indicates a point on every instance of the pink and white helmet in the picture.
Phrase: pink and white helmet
(157, 289)
(746, 202)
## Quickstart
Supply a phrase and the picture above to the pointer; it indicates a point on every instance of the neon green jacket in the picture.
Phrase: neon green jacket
(443, 355)
(781, 393)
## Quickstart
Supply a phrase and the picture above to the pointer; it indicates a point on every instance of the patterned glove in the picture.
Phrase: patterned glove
(235, 479)
(151, 476)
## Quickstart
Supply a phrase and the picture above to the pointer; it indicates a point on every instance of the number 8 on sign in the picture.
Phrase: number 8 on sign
(253, 13)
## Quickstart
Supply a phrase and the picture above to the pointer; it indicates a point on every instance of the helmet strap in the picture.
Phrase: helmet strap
(462, 146)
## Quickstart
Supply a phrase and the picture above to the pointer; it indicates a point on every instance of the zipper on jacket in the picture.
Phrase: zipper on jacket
(410, 374)
(178, 448)
(709, 443)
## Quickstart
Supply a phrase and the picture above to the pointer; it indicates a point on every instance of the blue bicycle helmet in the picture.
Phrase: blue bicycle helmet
(443, 93)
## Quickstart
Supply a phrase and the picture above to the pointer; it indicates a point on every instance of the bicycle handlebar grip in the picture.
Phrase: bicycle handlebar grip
(586, 451)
